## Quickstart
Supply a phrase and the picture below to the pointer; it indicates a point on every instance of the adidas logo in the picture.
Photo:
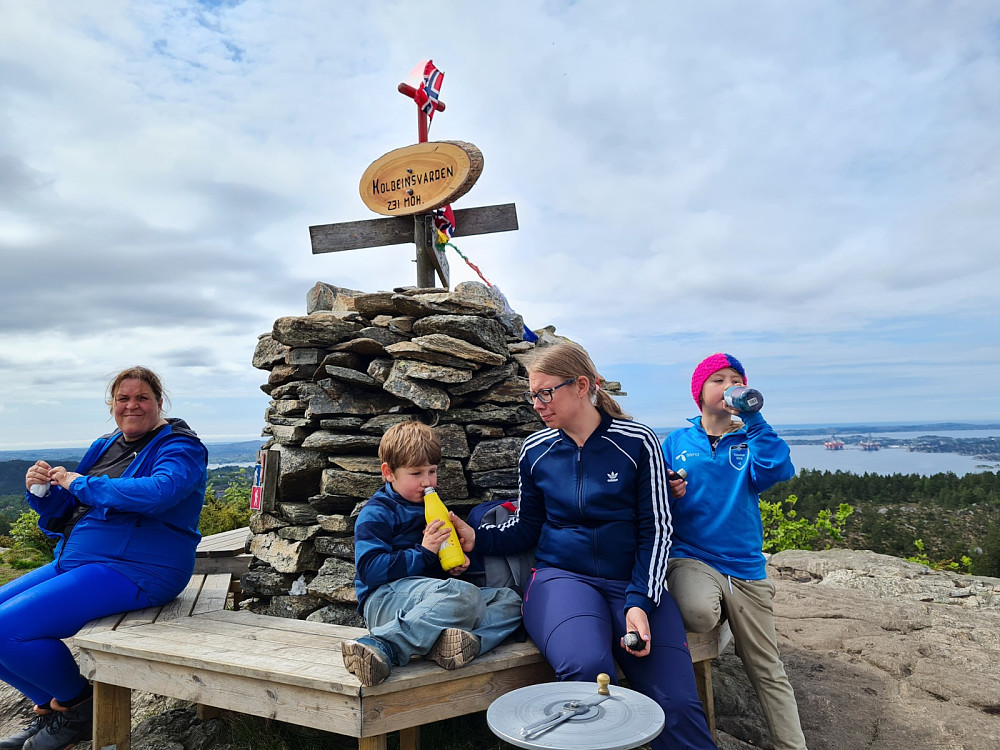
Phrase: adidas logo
(613, 476)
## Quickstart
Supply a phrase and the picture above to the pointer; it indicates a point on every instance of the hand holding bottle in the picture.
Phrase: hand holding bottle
(450, 551)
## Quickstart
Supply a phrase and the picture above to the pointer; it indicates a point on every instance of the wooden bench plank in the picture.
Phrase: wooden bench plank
(224, 544)
(313, 707)
(269, 622)
(214, 593)
(109, 622)
(184, 603)
(295, 665)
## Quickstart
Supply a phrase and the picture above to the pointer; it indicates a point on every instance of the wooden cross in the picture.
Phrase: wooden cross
(418, 229)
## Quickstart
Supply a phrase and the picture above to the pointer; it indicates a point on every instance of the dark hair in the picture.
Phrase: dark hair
(409, 443)
(138, 372)
(569, 360)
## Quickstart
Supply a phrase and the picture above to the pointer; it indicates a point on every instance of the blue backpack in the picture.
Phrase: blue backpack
(498, 571)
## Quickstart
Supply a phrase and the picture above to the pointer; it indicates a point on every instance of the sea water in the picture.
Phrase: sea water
(888, 460)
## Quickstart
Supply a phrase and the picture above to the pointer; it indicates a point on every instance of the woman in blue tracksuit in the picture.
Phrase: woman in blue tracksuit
(126, 525)
(593, 490)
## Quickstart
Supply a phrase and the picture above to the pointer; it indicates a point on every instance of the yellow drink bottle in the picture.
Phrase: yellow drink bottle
(451, 554)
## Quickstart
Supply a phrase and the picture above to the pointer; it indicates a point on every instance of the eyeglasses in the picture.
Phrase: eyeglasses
(545, 394)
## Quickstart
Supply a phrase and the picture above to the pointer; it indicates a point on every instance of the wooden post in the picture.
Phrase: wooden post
(112, 716)
(422, 224)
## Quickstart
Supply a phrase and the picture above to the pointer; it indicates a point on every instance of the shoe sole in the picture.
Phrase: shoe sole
(454, 648)
(364, 663)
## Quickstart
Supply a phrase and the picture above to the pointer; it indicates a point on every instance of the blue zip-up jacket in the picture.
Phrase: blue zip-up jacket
(718, 519)
(600, 510)
(387, 544)
(143, 524)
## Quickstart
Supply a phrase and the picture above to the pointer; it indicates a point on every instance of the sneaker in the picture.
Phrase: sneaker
(366, 659)
(66, 729)
(36, 725)
(454, 648)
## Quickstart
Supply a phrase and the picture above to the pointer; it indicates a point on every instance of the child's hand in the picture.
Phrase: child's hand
(678, 486)
(466, 534)
(461, 568)
(435, 534)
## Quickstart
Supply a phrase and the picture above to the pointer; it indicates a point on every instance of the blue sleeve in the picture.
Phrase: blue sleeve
(649, 574)
(58, 504)
(379, 556)
(521, 532)
(178, 469)
(771, 459)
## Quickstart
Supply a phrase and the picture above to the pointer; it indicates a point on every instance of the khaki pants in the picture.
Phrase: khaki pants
(702, 593)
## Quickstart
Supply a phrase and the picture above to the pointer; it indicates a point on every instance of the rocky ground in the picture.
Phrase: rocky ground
(883, 654)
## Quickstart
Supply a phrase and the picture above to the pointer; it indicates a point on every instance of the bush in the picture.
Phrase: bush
(964, 565)
(31, 548)
(785, 530)
(231, 511)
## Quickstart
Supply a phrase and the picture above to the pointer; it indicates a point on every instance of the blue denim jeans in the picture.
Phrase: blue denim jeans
(410, 613)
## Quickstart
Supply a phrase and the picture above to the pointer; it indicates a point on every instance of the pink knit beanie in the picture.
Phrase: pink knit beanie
(710, 365)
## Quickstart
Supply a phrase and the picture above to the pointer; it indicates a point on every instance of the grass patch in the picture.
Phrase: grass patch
(9, 573)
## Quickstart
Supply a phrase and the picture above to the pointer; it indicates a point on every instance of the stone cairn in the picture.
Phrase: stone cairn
(340, 376)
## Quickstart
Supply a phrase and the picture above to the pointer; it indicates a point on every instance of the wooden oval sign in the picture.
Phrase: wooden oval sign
(419, 178)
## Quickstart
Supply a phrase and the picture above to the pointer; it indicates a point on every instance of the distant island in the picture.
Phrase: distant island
(986, 448)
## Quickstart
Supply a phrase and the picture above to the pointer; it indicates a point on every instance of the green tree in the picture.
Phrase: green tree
(231, 510)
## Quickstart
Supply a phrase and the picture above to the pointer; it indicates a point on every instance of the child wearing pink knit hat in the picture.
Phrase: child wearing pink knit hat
(717, 567)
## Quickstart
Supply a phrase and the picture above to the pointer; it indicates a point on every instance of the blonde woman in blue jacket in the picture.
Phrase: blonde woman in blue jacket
(717, 566)
(126, 525)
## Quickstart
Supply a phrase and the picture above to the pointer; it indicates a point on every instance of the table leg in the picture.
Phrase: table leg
(372, 743)
(112, 716)
(409, 739)
(703, 678)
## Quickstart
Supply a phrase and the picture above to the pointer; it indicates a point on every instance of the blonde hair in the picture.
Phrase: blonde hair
(138, 372)
(568, 360)
(409, 443)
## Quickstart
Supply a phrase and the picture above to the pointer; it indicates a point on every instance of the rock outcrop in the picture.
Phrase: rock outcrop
(883, 654)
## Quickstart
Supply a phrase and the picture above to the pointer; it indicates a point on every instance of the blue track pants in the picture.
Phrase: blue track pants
(577, 622)
(48, 604)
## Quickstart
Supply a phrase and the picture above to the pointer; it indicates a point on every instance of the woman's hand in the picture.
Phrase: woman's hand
(435, 534)
(466, 534)
(38, 473)
(636, 620)
(63, 478)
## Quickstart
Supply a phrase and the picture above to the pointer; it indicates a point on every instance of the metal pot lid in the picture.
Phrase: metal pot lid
(624, 720)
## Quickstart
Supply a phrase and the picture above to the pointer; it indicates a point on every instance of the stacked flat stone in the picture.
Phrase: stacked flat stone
(339, 377)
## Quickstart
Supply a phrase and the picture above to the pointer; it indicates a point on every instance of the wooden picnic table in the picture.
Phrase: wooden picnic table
(292, 670)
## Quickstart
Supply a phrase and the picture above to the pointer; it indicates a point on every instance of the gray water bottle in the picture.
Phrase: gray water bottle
(743, 398)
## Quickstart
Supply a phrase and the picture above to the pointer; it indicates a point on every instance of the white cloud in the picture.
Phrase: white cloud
(813, 187)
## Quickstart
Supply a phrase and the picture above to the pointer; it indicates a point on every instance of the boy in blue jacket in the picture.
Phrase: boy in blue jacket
(410, 604)
(716, 562)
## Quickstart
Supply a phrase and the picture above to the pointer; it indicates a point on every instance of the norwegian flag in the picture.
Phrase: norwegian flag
(444, 222)
(430, 90)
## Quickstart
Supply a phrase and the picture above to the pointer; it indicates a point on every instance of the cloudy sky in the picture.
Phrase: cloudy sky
(814, 187)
